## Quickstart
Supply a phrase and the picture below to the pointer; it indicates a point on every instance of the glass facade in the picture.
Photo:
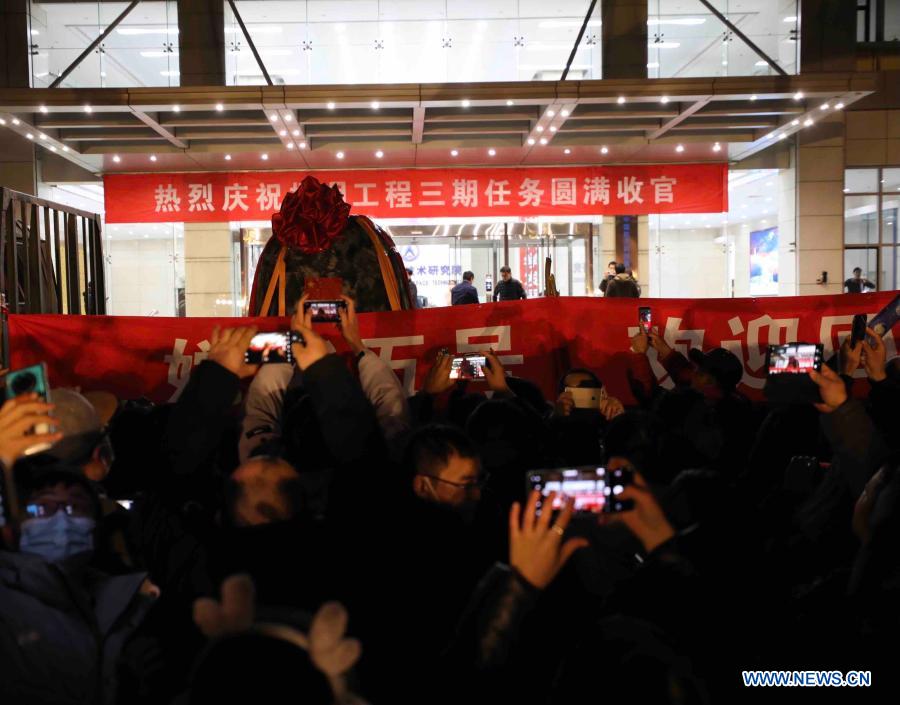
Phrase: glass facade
(871, 202)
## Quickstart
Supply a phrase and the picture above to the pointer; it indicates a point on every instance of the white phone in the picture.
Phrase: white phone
(587, 397)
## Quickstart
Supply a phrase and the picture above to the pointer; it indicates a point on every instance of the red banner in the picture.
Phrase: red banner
(538, 339)
(424, 193)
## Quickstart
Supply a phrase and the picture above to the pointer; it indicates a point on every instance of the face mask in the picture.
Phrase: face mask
(58, 537)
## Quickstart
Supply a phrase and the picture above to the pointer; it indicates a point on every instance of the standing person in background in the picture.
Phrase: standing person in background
(508, 289)
(856, 284)
(413, 289)
(610, 275)
(464, 292)
(622, 285)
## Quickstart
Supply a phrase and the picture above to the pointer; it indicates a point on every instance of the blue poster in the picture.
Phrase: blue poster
(764, 262)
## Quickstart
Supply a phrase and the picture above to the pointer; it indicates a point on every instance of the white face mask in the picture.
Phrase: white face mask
(57, 537)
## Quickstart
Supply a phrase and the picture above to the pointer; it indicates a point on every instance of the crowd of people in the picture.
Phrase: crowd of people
(308, 533)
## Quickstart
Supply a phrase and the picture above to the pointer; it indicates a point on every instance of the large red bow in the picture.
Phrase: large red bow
(311, 217)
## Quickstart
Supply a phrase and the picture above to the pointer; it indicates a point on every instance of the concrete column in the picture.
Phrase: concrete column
(787, 231)
(208, 269)
(15, 44)
(201, 42)
(828, 35)
(820, 184)
(624, 38)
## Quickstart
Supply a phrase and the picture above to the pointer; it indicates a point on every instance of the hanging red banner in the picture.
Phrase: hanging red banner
(425, 193)
(538, 339)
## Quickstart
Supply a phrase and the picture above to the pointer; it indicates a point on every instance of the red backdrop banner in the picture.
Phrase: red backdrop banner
(538, 339)
(424, 193)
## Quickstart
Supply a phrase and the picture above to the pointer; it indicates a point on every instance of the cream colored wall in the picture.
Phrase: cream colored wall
(208, 269)
(141, 275)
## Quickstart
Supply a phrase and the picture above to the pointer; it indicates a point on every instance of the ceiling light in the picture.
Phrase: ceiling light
(664, 99)
(808, 122)
(273, 117)
(567, 151)
(34, 33)
(29, 136)
(795, 122)
(846, 190)
(15, 121)
(466, 102)
(839, 106)
(42, 136)
(283, 133)
(509, 102)
(717, 147)
(290, 145)
(296, 133)
(551, 113)
(43, 108)
(679, 148)
(117, 158)
(543, 140)
(552, 128)
(65, 149)
(564, 113)
(152, 157)
(539, 128)
(339, 155)
(492, 152)
(375, 105)
(531, 140)
(798, 95)
(264, 156)
(52, 148)
(176, 108)
(303, 145)
(2, 121)
(604, 149)
(782, 135)
(761, 64)
(227, 157)
(824, 106)
(752, 97)
(379, 154)
(789, 19)
(88, 109)
(454, 152)
(651, 65)
(330, 106)
(219, 107)
(288, 117)
(621, 99)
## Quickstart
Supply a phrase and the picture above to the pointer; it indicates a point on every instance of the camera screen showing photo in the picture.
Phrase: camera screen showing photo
(325, 311)
(794, 358)
(467, 367)
(645, 318)
(269, 347)
(587, 486)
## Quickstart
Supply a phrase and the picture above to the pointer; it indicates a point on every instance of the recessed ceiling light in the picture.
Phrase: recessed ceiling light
(552, 128)
(375, 105)
(43, 108)
(330, 106)
(782, 135)
(604, 149)
(303, 145)
(539, 128)
(42, 136)
(65, 149)
(752, 97)
(564, 113)
(798, 95)
(2, 121)
(288, 117)
(664, 99)
(551, 113)
(466, 102)
(543, 140)
(273, 117)
(339, 155)
(152, 157)
(808, 122)
(454, 152)
(219, 107)
(824, 106)
(492, 152)
(621, 99)
(839, 106)
(717, 147)
(679, 148)
(379, 154)
(176, 108)
(117, 158)
(290, 145)
(29, 135)
(88, 109)
(52, 148)
(283, 133)
(795, 122)
(227, 157)
(15, 121)
(296, 133)
(567, 151)
(509, 102)
(264, 156)
(531, 140)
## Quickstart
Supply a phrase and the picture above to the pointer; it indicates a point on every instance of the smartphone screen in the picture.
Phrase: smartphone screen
(269, 347)
(325, 311)
(794, 358)
(468, 367)
(595, 490)
(645, 318)
(858, 331)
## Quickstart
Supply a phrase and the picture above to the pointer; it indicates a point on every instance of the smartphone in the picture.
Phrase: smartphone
(788, 379)
(29, 380)
(468, 366)
(125, 503)
(270, 347)
(794, 359)
(645, 319)
(594, 489)
(325, 310)
(587, 397)
(858, 330)
(885, 319)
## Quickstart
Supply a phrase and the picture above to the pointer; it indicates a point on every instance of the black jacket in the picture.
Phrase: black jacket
(623, 286)
(463, 293)
(511, 290)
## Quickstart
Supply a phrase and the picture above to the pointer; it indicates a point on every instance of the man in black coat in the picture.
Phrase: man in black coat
(464, 292)
(508, 289)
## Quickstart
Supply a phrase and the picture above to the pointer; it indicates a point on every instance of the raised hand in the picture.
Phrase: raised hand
(438, 381)
(18, 417)
(640, 343)
(646, 521)
(874, 357)
(349, 326)
(850, 357)
(494, 373)
(564, 404)
(831, 387)
(536, 548)
(228, 346)
(611, 407)
(310, 347)
(659, 344)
